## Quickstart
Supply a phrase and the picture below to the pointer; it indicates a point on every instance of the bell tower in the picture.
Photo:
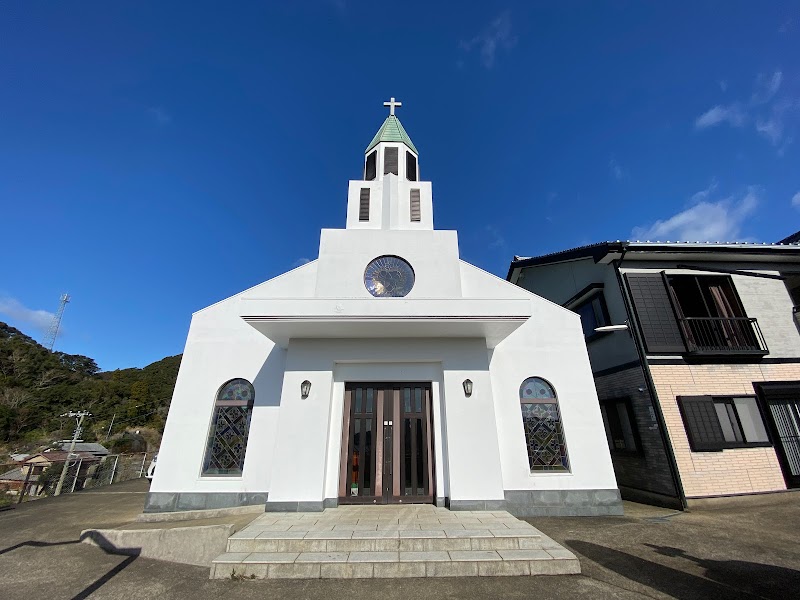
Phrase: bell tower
(390, 196)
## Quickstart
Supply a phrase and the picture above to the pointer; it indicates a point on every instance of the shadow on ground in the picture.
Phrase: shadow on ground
(721, 578)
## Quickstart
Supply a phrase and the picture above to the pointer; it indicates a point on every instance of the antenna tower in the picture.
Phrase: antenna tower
(52, 333)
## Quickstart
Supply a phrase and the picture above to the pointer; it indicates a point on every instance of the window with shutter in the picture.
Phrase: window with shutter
(390, 160)
(411, 166)
(720, 422)
(657, 320)
(701, 422)
(415, 211)
(363, 207)
(371, 168)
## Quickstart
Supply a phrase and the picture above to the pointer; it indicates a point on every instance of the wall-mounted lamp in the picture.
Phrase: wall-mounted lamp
(305, 389)
(467, 387)
(606, 328)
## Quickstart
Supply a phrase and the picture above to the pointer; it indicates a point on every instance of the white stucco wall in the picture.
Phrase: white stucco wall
(294, 445)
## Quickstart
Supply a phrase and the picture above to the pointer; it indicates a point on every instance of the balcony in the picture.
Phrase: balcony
(723, 336)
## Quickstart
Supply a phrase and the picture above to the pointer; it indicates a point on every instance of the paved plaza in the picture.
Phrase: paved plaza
(391, 541)
(748, 549)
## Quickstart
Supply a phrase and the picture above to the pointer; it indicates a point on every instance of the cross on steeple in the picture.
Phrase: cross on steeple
(391, 104)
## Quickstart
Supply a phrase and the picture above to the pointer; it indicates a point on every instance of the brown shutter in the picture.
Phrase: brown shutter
(371, 168)
(411, 166)
(363, 207)
(390, 159)
(657, 320)
(415, 213)
(701, 422)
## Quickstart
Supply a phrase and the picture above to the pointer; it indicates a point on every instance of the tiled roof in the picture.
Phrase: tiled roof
(392, 131)
(56, 456)
(92, 447)
(13, 475)
(600, 249)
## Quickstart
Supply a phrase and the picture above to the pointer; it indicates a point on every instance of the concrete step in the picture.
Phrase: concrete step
(409, 541)
(406, 541)
(364, 565)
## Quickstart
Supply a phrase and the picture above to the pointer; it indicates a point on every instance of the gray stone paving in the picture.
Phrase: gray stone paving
(390, 541)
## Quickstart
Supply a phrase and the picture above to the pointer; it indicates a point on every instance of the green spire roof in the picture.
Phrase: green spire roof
(392, 131)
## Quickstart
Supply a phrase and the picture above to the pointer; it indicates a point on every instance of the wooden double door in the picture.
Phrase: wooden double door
(387, 444)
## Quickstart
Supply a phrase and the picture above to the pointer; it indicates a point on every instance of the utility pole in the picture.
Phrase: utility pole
(110, 426)
(52, 332)
(79, 416)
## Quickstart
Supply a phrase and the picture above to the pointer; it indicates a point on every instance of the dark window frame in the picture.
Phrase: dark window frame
(699, 445)
(698, 280)
(371, 166)
(596, 294)
(411, 160)
(391, 159)
(637, 440)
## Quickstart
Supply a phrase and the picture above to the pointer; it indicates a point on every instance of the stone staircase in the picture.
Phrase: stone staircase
(390, 541)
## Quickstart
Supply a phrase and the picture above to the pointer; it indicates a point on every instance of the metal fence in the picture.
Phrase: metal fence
(31, 481)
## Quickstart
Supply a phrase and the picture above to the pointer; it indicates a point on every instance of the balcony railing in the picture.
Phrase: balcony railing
(714, 335)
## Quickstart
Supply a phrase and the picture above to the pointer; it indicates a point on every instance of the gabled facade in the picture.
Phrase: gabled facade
(386, 371)
(700, 393)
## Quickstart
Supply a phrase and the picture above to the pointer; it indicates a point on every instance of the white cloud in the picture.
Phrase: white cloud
(496, 240)
(766, 87)
(796, 200)
(771, 115)
(24, 316)
(496, 35)
(159, 115)
(703, 195)
(616, 169)
(723, 85)
(732, 114)
(704, 221)
(300, 262)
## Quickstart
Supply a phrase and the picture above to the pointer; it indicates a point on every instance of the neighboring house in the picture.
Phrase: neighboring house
(92, 448)
(12, 481)
(39, 463)
(701, 395)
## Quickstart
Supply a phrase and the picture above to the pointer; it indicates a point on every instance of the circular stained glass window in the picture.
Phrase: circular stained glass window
(535, 388)
(389, 277)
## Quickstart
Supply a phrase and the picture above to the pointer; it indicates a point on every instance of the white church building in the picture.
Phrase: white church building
(386, 371)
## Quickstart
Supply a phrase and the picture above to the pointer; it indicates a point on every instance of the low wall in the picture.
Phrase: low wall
(188, 545)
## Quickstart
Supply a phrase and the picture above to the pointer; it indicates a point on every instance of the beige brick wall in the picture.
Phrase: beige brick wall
(734, 471)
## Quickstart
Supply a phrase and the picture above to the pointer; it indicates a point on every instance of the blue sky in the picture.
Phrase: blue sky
(158, 157)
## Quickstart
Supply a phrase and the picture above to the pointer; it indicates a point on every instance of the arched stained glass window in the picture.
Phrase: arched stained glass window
(544, 432)
(227, 436)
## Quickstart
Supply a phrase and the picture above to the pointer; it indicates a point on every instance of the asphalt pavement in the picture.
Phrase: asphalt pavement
(747, 549)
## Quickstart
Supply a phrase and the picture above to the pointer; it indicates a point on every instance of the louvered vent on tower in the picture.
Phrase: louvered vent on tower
(363, 206)
(415, 211)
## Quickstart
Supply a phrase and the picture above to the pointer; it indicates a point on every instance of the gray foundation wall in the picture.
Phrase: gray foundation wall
(550, 503)
(177, 501)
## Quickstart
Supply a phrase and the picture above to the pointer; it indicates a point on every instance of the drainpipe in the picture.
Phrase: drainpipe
(651, 386)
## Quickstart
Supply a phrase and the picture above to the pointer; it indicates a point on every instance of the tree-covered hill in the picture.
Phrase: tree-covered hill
(36, 386)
